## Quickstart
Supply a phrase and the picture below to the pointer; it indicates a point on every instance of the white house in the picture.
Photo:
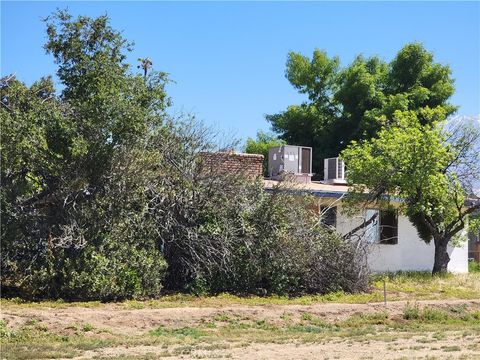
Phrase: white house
(397, 248)
(395, 244)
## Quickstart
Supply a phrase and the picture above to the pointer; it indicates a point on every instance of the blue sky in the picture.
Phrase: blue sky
(228, 58)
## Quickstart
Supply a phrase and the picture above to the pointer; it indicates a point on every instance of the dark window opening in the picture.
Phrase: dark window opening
(329, 215)
(388, 227)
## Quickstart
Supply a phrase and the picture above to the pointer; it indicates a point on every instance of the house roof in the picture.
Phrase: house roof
(314, 188)
(336, 191)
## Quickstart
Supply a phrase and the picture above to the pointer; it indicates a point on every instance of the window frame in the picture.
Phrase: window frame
(385, 237)
(377, 228)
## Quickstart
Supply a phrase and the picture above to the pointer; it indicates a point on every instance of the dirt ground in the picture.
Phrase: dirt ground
(401, 349)
(116, 320)
(119, 320)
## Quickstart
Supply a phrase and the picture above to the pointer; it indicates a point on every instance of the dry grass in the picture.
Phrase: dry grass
(244, 327)
(400, 286)
(226, 332)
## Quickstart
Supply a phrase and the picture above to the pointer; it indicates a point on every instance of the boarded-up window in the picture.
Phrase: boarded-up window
(329, 215)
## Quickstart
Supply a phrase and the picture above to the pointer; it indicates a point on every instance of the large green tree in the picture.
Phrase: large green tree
(101, 191)
(61, 170)
(429, 170)
(352, 103)
(110, 105)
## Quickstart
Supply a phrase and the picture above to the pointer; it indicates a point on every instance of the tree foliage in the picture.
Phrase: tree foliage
(260, 145)
(354, 102)
(59, 157)
(416, 161)
(104, 196)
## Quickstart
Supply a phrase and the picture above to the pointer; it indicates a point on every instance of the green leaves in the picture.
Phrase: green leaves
(354, 102)
(412, 160)
(314, 77)
(61, 174)
(109, 105)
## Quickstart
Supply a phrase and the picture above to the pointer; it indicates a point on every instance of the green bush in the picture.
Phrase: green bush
(473, 266)
(104, 248)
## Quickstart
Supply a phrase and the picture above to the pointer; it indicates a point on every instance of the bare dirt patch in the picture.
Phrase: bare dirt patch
(452, 347)
(270, 335)
(136, 321)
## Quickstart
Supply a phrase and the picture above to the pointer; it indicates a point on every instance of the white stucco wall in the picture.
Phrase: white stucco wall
(410, 254)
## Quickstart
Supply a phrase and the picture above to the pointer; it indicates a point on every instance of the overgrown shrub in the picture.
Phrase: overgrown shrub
(75, 174)
(102, 247)
(218, 232)
(222, 232)
(100, 190)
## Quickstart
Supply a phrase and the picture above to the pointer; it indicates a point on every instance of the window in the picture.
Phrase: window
(388, 227)
(329, 215)
(381, 226)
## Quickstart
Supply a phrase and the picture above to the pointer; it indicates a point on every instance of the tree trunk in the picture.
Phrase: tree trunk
(441, 256)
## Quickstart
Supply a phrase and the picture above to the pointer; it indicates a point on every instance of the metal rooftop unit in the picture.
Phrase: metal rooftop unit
(286, 160)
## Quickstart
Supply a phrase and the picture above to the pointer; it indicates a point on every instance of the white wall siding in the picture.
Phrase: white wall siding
(410, 254)
(458, 258)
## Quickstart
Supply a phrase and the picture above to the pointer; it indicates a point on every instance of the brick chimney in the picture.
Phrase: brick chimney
(250, 165)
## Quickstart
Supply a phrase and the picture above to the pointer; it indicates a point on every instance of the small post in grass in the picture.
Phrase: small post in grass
(385, 291)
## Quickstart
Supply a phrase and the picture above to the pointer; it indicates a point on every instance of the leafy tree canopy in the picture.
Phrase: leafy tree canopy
(353, 103)
(414, 159)
(109, 104)
(61, 169)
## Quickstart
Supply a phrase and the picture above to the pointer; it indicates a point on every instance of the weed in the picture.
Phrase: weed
(31, 322)
(306, 316)
(179, 332)
(222, 317)
(459, 309)
(434, 315)
(87, 327)
(439, 335)
(3, 329)
(305, 329)
(451, 348)
(264, 325)
(473, 267)
(411, 312)
(285, 317)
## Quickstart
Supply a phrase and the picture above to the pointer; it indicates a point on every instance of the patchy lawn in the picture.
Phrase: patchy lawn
(400, 286)
(335, 326)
